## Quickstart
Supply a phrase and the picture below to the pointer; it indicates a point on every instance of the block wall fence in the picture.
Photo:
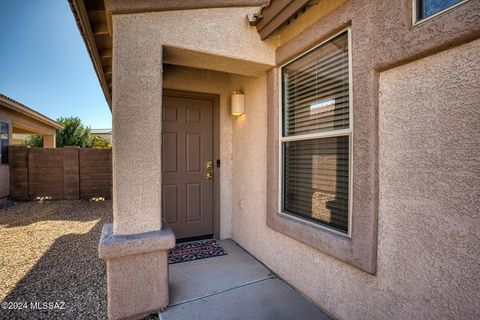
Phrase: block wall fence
(63, 173)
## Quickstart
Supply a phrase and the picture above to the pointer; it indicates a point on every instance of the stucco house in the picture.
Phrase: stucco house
(16, 119)
(103, 133)
(336, 141)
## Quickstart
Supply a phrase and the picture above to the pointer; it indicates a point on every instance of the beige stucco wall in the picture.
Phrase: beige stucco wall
(205, 81)
(218, 39)
(137, 92)
(249, 166)
(139, 43)
(429, 240)
(223, 35)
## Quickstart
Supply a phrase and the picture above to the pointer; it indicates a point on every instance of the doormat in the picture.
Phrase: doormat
(195, 251)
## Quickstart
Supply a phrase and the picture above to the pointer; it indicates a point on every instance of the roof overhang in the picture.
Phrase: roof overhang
(91, 18)
(276, 14)
(94, 20)
(23, 109)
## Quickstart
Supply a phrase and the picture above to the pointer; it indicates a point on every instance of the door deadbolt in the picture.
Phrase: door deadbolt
(209, 164)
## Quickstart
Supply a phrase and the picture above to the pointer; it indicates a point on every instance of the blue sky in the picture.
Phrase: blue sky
(44, 63)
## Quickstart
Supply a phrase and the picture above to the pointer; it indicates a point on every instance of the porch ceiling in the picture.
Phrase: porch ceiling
(26, 128)
(202, 60)
(21, 130)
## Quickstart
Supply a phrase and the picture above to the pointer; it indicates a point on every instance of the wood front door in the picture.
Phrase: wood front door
(188, 165)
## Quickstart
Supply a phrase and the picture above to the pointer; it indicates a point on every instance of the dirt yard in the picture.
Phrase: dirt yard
(49, 266)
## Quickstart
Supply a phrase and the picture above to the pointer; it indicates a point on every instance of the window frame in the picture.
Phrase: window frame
(415, 10)
(4, 157)
(318, 135)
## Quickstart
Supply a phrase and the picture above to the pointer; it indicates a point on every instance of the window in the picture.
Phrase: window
(428, 8)
(316, 136)
(4, 141)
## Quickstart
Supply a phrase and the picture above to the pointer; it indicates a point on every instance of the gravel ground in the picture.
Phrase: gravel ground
(48, 254)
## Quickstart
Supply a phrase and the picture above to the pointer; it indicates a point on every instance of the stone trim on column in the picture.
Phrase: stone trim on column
(137, 271)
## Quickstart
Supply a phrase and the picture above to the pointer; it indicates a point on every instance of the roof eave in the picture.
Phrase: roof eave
(83, 23)
(23, 109)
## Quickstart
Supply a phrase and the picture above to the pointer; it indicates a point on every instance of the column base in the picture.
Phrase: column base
(137, 271)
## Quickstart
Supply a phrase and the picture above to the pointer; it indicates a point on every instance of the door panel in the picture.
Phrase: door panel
(170, 207)
(187, 135)
(170, 158)
(193, 202)
(193, 152)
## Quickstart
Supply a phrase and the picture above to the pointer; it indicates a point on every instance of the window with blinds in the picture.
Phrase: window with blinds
(316, 135)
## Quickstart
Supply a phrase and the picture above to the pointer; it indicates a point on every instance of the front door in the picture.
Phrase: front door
(188, 165)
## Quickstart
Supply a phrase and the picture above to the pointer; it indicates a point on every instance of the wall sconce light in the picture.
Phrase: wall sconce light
(238, 103)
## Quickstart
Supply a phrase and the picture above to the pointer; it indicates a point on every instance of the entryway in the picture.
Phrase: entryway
(190, 163)
(233, 286)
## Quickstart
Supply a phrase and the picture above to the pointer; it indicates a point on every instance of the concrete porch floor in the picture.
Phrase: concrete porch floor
(235, 286)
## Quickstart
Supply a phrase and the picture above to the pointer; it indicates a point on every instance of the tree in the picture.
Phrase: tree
(33, 141)
(100, 143)
(74, 133)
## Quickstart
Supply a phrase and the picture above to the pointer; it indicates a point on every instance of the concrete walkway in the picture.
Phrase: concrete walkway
(235, 286)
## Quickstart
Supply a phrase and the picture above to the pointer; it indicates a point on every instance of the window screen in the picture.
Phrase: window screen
(316, 135)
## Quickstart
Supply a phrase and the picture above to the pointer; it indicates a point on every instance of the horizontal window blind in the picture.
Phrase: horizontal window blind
(316, 90)
(316, 180)
(316, 101)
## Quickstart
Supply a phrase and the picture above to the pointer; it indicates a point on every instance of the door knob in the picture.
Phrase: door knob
(209, 176)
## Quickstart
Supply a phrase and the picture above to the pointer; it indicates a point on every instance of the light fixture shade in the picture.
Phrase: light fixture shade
(238, 103)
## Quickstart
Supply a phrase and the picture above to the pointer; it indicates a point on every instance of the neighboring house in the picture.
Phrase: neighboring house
(336, 141)
(103, 133)
(18, 120)
(17, 138)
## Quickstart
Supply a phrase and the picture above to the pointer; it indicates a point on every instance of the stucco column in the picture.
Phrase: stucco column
(49, 141)
(136, 121)
(136, 246)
